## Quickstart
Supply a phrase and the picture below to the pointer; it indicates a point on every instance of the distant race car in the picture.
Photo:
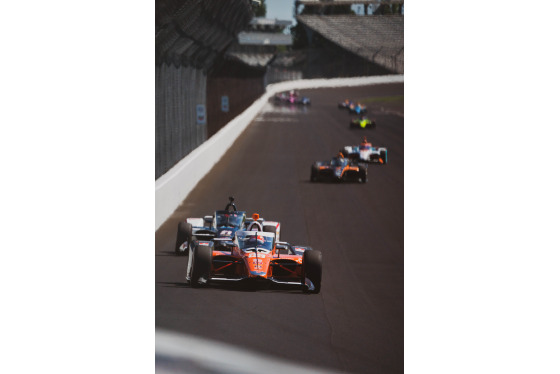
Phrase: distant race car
(219, 228)
(345, 104)
(362, 123)
(255, 258)
(357, 108)
(339, 169)
(291, 97)
(366, 152)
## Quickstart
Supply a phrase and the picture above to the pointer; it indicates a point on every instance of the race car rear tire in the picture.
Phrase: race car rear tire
(363, 175)
(202, 264)
(383, 155)
(184, 234)
(312, 269)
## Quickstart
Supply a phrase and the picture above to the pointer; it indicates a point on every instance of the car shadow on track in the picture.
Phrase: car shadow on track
(331, 182)
(174, 284)
(167, 253)
(236, 288)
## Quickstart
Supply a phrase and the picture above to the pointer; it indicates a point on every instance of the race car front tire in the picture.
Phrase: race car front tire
(202, 264)
(184, 234)
(313, 177)
(312, 269)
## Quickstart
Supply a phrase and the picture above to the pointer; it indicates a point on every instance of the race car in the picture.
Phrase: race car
(219, 228)
(339, 169)
(291, 97)
(366, 152)
(357, 108)
(255, 259)
(362, 123)
(345, 104)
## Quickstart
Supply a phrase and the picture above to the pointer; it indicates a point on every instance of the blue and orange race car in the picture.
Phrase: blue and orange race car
(339, 169)
(255, 259)
(219, 228)
(345, 104)
(353, 108)
(357, 108)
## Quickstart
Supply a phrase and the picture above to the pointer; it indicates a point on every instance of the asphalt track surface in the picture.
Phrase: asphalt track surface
(356, 323)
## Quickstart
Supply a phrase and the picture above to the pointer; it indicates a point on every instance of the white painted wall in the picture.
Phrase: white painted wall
(175, 185)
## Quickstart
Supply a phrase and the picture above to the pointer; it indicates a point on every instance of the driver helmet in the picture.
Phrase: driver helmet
(258, 239)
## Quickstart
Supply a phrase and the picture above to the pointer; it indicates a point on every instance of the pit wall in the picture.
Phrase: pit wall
(175, 185)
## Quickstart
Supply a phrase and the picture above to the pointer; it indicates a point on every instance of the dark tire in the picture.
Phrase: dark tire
(202, 264)
(184, 234)
(383, 155)
(312, 269)
(363, 175)
(313, 177)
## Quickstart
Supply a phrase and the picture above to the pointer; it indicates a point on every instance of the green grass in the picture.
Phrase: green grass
(383, 99)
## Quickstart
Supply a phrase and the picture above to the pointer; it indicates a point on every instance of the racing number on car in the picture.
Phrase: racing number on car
(226, 233)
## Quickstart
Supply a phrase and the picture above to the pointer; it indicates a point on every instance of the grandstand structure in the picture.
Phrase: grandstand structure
(257, 44)
(195, 32)
(191, 37)
(339, 42)
(377, 39)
